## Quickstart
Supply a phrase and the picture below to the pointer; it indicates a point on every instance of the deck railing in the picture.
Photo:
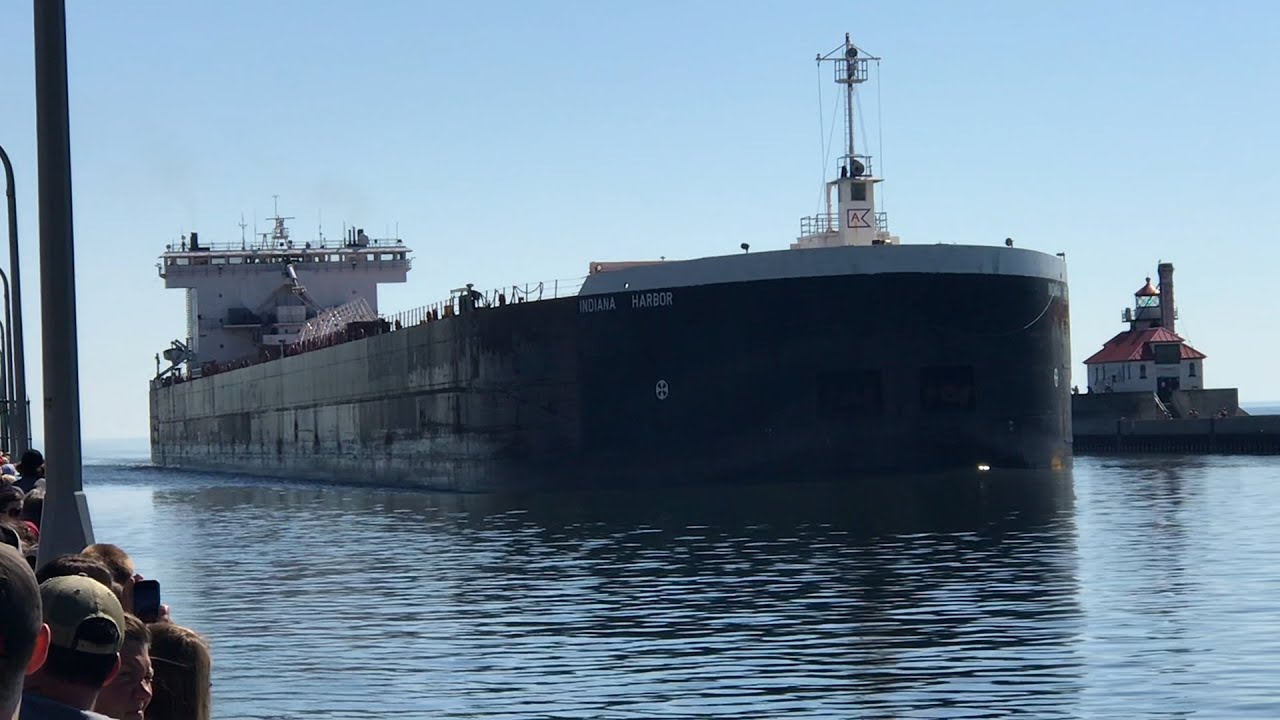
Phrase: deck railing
(819, 224)
(496, 297)
(391, 322)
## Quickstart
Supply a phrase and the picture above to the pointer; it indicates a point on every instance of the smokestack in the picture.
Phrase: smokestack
(1167, 307)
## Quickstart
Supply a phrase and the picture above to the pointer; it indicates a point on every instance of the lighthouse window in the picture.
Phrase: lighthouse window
(1142, 372)
(1191, 369)
(1167, 354)
(857, 191)
(947, 389)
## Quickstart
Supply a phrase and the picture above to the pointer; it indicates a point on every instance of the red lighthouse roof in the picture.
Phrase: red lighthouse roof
(1135, 345)
(1147, 290)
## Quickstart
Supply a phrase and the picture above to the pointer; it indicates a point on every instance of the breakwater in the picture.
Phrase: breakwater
(1245, 435)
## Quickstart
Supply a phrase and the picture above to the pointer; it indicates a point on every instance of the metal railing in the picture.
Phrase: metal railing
(479, 301)
(10, 426)
(852, 161)
(498, 297)
(829, 223)
(882, 222)
(819, 224)
(852, 69)
(274, 245)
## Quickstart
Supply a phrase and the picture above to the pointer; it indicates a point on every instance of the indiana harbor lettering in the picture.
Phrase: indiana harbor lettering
(651, 299)
(596, 304)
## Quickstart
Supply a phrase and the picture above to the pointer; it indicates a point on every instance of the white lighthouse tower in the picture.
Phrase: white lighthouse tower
(854, 220)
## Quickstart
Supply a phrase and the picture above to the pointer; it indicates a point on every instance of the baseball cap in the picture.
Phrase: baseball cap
(82, 615)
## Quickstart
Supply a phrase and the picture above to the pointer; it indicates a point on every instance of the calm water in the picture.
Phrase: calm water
(1129, 588)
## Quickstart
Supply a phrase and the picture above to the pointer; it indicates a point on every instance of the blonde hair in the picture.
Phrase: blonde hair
(183, 667)
(115, 558)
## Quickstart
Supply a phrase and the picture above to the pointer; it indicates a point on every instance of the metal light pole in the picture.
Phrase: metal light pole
(17, 362)
(9, 393)
(65, 525)
(6, 419)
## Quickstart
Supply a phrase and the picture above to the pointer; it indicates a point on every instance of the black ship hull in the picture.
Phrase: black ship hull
(841, 375)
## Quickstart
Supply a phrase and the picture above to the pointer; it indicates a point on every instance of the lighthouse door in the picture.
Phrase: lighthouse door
(1165, 387)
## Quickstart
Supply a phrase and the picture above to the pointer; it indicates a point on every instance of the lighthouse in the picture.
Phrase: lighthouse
(1148, 356)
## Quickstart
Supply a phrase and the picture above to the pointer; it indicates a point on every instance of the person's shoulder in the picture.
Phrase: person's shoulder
(38, 707)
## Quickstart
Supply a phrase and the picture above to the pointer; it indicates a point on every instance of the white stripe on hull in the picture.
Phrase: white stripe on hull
(818, 262)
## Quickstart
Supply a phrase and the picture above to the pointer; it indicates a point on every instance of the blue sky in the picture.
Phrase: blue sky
(518, 141)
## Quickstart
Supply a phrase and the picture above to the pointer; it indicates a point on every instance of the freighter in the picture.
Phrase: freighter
(845, 354)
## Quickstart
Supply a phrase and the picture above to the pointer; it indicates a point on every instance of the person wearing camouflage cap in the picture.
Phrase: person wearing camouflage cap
(86, 629)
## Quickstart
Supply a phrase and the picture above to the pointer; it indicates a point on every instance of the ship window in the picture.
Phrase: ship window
(850, 394)
(1142, 372)
(947, 389)
(857, 191)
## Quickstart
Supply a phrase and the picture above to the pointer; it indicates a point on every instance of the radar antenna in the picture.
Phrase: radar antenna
(279, 235)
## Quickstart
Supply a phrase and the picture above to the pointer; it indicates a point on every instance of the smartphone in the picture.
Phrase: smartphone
(146, 600)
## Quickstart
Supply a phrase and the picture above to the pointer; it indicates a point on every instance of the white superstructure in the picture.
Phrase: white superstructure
(255, 296)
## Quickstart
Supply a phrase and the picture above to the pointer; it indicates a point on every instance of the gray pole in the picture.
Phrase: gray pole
(18, 362)
(6, 419)
(65, 525)
(8, 361)
(851, 69)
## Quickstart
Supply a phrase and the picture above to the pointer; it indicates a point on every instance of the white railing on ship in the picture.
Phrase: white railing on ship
(497, 297)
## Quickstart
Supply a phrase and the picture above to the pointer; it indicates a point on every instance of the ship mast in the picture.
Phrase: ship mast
(854, 219)
(851, 70)
(850, 81)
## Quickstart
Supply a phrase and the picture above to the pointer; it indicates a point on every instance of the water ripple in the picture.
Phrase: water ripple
(1140, 588)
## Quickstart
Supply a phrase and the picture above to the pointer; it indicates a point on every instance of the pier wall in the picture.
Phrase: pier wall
(1253, 435)
(1097, 413)
(1206, 403)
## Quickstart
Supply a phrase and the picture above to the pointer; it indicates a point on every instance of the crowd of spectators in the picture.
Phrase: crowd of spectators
(84, 636)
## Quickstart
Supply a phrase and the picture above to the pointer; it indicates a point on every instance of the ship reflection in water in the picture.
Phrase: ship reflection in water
(966, 596)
